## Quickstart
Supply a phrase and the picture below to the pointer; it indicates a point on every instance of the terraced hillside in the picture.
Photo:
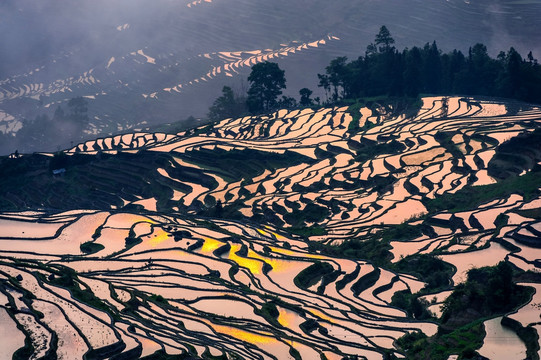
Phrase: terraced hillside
(140, 62)
(291, 235)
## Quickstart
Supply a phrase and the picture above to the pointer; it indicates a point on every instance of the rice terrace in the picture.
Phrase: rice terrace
(382, 202)
(241, 239)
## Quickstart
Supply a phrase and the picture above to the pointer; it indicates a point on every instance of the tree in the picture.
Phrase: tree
(413, 79)
(59, 114)
(509, 82)
(432, 68)
(226, 106)
(266, 83)
(371, 50)
(325, 84)
(218, 209)
(78, 110)
(384, 40)
(337, 72)
(305, 100)
(287, 102)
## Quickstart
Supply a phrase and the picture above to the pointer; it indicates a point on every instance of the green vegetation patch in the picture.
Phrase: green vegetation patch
(516, 155)
(90, 181)
(162, 355)
(26, 351)
(487, 292)
(90, 247)
(372, 249)
(368, 149)
(236, 165)
(269, 312)
(530, 213)
(366, 281)
(527, 334)
(444, 138)
(470, 197)
(462, 341)
(312, 213)
(412, 304)
(312, 274)
(307, 231)
(67, 278)
(435, 272)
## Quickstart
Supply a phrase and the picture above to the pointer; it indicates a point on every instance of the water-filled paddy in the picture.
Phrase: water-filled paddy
(181, 280)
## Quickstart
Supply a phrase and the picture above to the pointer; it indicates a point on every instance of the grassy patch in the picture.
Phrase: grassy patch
(131, 241)
(307, 231)
(312, 213)
(67, 278)
(516, 155)
(412, 304)
(366, 281)
(236, 165)
(270, 313)
(444, 138)
(162, 355)
(26, 351)
(367, 149)
(355, 111)
(530, 213)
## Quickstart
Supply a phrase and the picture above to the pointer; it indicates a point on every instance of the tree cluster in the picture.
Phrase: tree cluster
(267, 81)
(42, 131)
(384, 70)
(487, 291)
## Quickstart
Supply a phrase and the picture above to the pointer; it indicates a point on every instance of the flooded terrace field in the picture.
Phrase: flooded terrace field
(236, 239)
(182, 290)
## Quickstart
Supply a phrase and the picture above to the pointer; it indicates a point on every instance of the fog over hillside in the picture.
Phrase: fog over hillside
(140, 62)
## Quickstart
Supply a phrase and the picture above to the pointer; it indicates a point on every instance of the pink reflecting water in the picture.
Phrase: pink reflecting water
(226, 307)
(531, 312)
(11, 338)
(27, 229)
(71, 345)
(465, 261)
(501, 343)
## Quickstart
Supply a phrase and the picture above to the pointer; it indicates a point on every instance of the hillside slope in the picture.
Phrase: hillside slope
(253, 237)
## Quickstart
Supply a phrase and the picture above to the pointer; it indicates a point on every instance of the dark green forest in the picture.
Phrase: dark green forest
(385, 71)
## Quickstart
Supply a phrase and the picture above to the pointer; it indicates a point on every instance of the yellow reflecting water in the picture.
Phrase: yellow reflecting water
(158, 237)
(254, 266)
(278, 236)
(286, 318)
(321, 315)
(210, 245)
(243, 335)
(278, 265)
(263, 232)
